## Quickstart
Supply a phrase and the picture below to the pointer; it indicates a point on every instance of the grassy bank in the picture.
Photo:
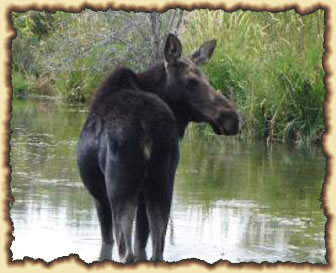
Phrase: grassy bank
(268, 64)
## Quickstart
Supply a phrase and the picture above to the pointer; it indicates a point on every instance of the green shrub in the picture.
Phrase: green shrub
(20, 84)
(76, 86)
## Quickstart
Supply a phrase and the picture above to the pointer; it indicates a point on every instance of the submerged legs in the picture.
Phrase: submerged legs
(105, 221)
(158, 190)
(141, 230)
(123, 214)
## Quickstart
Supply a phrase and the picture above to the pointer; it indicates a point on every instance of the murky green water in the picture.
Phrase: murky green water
(233, 201)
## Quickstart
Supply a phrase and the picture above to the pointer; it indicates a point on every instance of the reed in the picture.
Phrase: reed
(270, 65)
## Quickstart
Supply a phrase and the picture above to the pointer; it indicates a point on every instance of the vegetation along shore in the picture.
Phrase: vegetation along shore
(268, 64)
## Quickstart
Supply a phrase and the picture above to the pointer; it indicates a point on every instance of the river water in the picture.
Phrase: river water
(235, 201)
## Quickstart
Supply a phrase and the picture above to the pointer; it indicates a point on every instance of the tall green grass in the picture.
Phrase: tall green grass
(77, 85)
(270, 65)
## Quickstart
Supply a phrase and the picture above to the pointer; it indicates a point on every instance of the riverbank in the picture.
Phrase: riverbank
(268, 64)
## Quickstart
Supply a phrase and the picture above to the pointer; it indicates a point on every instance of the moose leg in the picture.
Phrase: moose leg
(121, 245)
(142, 230)
(125, 218)
(105, 220)
(158, 220)
(118, 233)
(123, 185)
(158, 194)
(94, 181)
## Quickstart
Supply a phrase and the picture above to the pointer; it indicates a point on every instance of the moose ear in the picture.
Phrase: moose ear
(204, 53)
(173, 49)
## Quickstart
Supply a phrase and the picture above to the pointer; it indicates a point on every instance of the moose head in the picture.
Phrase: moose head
(189, 93)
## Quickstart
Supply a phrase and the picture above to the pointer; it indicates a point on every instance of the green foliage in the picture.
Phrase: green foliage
(270, 65)
(33, 23)
(76, 86)
(20, 85)
(75, 50)
(301, 91)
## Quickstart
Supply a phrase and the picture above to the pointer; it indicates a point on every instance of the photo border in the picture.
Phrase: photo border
(72, 262)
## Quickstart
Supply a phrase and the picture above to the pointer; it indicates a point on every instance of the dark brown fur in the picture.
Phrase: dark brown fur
(128, 148)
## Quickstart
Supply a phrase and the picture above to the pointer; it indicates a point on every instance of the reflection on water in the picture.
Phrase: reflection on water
(233, 201)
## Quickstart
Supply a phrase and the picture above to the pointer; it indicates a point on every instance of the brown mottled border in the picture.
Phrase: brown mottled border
(71, 263)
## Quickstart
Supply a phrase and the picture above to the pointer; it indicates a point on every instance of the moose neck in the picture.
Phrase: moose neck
(154, 81)
(181, 126)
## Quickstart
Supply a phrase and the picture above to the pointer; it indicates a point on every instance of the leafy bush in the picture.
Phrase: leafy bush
(20, 84)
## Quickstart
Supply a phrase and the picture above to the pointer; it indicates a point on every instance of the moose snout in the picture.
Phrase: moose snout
(231, 124)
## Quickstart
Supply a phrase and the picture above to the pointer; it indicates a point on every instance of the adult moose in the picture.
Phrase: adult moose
(128, 148)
